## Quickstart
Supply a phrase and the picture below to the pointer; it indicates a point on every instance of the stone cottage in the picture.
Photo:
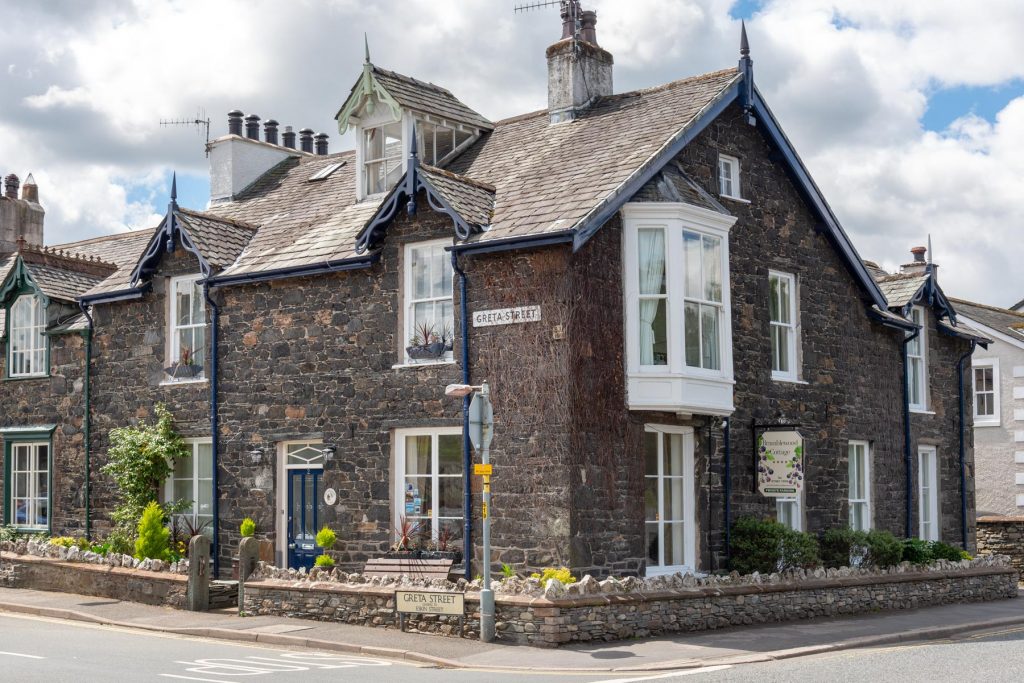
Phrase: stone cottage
(652, 284)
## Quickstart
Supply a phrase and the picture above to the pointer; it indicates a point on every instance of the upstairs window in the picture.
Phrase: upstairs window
(917, 363)
(653, 304)
(27, 338)
(436, 142)
(702, 296)
(382, 157)
(429, 315)
(187, 329)
(986, 392)
(729, 176)
(782, 312)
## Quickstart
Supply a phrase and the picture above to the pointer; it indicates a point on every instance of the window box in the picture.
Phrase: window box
(428, 351)
(184, 371)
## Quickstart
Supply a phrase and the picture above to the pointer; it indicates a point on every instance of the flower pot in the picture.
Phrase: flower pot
(426, 351)
(179, 371)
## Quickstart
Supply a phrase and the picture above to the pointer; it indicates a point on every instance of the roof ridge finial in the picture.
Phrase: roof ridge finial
(744, 44)
(174, 187)
(366, 43)
(930, 257)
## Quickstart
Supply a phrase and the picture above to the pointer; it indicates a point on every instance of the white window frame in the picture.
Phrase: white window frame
(796, 504)
(33, 334)
(791, 329)
(920, 317)
(929, 525)
(31, 496)
(408, 302)
(860, 449)
(729, 177)
(197, 482)
(382, 116)
(173, 342)
(398, 475)
(689, 520)
(995, 419)
(676, 386)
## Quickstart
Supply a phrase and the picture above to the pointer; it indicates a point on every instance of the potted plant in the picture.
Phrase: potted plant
(426, 344)
(185, 367)
(406, 534)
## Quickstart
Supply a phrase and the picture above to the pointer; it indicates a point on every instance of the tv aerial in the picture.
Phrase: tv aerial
(201, 123)
(570, 11)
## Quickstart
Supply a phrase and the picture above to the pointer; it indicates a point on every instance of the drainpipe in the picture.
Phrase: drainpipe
(728, 490)
(214, 316)
(467, 450)
(908, 461)
(963, 470)
(87, 420)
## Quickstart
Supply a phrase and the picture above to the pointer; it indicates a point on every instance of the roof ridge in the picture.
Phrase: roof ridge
(989, 307)
(413, 79)
(461, 178)
(56, 257)
(219, 219)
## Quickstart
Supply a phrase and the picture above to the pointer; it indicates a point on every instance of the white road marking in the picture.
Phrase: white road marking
(193, 678)
(671, 674)
(18, 654)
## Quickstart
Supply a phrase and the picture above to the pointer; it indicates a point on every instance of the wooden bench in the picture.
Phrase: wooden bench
(414, 569)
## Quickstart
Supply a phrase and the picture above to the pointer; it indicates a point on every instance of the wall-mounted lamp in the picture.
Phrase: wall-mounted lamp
(256, 454)
(328, 452)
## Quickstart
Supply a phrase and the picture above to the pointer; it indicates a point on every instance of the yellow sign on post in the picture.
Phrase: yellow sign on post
(485, 510)
(483, 470)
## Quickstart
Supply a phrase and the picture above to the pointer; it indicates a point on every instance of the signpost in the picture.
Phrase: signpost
(780, 463)
(481, 431)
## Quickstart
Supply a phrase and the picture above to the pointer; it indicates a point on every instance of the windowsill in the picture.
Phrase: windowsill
(921, 411)
(22, 378)
(425, 364)
(739, 200)
(978, 423)
(185, 382)
(788, 380)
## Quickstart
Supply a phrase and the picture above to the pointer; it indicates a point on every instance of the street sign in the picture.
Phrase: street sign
(483, 470)
(481, 414)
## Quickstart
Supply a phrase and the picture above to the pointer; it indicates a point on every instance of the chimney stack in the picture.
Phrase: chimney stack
(30, 191)
(321, 143)
(20, 218)
(579, 70)
(270, 131)
(11, 186)
(919, 265)
(289, 137)
(252, 127)
(306, 140)
(235, 122)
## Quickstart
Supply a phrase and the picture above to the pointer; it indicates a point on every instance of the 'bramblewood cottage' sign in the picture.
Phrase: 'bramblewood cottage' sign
(780, 463)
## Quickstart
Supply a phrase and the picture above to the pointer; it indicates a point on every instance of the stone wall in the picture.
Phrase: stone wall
(1002, 536)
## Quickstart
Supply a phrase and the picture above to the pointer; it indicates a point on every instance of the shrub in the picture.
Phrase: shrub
(916, 551)
(121, 541)
(326, 538)
(248, 527)
(153, 536)
(843, 547)
(884, 549)
(63, 541)
(765, 546)
(945, 551)
(561, 574)
(507, 571)
(324, 561)
(798, 551)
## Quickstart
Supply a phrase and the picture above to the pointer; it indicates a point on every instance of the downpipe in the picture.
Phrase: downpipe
(963, 455)
(467, 447)
(908, 460)
(87, 420)
(728, 490)
(214, 450)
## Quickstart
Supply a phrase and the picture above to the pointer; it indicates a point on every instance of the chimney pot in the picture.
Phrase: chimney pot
(321, 143)
(252, 127)
(588, 30)
(289, 137)
(306, 140)
(11, 186)
(30, 191)
(569, 18)
(235, 122)
(919, 253)
(270, 131)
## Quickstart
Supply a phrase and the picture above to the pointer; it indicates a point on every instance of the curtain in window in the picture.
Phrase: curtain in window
(652, 281)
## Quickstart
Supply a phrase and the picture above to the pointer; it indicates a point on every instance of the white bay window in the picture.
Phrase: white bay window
(679, 339)
(27, 338)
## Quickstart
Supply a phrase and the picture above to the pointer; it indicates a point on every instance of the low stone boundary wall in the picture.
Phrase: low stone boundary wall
(547, 622)
(1002, 536)
(99, 580)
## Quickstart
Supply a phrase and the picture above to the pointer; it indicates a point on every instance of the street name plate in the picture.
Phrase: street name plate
(430, 602)
(483, 470)
(506, 316)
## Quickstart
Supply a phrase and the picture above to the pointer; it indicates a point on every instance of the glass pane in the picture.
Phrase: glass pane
(855, 472)
(418, 454)
(674, 544)
(183, 467)
(653, 331)
(691, 323)
(423, 317)
(199, 346)
(773, 298)
(785, 301)
(857, 516)
(915, 381)
(420, 267)
(21, 458)
(198, 304)
(42, 516)
(651, 499)
(692, 261)
(205, 503)
(651, 453)
(651, 248)
(449, 454)
(709, 337)
(205, 468)
(673, 499)
(21, 484)
(653, 545)
(427, 150)
(183, 489)
(450, 493)
(184, 302)
(712, 269)
(309, 522)
(673, 454)
(780, 348)
(296, 507)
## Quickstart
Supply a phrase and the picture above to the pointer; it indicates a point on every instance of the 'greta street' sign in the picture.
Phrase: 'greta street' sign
(506, 316)
(429, 602)
(780, 463)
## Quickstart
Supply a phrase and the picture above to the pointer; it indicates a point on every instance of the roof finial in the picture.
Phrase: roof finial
(366, 43)
(930, 257)
(744, 45)
(174, 187)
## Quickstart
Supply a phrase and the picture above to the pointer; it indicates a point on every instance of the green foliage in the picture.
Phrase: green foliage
(324, 561)
(916, 551)
(843, 547)
(140, 459)
(765, 546)
(121, 541)
(561, 574)
(248, 527)
(507, 571)
(8, 533)
(153, 536)
(884, 549)
(68, 541)
(964, 555)
(945, 551)
(326, 538)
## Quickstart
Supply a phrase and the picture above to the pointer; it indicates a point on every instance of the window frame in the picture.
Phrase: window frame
(196, 480)
(995, 419)
(919, 316)
(733, 164)
(686, 437)
(398, 475)
(929, 453)
(408, 302)
(31, 440)
(36, 331)
(867, 515)
(173, 342)
(797, 515)
(792, 328)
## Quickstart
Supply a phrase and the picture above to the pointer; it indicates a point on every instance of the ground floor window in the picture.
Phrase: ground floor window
(928, 493)
(429, 481)
(28, 495)
(669, 499)
(859, 453)
(192, 482)
(788, 512)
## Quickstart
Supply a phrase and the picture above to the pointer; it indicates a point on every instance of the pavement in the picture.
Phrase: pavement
(761, 643)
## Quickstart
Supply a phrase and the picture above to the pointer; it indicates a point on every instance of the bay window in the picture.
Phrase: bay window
(382, 157)
(26, 337)
(783, 321)
(679, 339)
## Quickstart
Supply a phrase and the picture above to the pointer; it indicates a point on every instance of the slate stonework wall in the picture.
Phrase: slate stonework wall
(1002, 536)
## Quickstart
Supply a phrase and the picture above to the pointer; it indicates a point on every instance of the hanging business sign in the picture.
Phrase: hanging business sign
(780, 463)
(506, 316)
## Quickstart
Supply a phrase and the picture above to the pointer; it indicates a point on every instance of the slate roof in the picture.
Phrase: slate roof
(963, 331)
(900, 289)
(474, 201)
(220, 240)
(61, 283)
(122, 249)
(999, 319)
(429, 98)
(673, 185)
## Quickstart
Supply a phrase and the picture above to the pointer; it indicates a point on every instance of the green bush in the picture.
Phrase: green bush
(916, 551)
(560, 574)
(945, 551)
(153, 538)
(507, 571)
(326, 538)
(799, 551)
(884, 549)
(843, 547)
(324, 561)
(248, 527)
(765, 546)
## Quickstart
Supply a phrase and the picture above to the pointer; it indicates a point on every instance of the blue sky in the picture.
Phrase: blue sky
(948, 104)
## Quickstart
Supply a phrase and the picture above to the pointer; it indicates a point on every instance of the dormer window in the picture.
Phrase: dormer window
(437, 142)
(26, 332)
(382, 157)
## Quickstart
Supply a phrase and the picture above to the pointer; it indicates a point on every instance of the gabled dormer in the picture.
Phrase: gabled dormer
(383, 107)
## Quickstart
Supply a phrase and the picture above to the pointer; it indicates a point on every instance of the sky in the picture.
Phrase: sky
(908, 113)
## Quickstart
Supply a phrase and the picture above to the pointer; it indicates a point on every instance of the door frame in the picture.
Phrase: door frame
(281, 518)
(688, 437)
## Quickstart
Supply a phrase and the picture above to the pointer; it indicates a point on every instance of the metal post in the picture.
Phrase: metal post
(486, 594)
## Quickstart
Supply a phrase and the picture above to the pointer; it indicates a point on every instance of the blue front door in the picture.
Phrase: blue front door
(303, 517)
